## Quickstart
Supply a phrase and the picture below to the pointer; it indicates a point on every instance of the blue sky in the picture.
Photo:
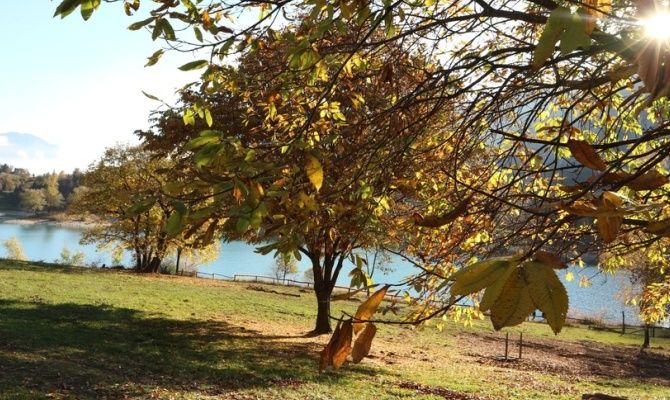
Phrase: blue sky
(78, 84)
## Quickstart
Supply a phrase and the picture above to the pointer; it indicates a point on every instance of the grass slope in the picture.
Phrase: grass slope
(90, 334)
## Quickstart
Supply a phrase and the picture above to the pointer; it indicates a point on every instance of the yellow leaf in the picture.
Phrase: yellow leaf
(493, 291)
(514, 303)
(363, 343)
(314, 171)
(547, 292)
(569, 276)
(368, 308)
(480, 275)
(326, 353)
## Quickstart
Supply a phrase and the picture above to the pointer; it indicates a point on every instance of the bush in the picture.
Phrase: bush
(14, 250)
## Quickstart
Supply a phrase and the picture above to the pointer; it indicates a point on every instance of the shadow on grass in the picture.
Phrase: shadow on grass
(86, 351)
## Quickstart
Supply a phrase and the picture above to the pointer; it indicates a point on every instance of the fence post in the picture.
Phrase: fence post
(506, 344)
(520, 344)
(623, 323)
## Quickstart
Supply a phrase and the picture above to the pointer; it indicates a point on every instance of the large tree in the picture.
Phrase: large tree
(325, 195)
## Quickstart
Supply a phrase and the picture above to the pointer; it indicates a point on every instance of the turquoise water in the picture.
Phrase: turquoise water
(44, 242)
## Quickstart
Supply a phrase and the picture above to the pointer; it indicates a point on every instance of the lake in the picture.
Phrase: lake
(44, 242)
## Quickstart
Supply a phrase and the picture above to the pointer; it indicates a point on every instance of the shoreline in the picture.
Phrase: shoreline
(23, 218)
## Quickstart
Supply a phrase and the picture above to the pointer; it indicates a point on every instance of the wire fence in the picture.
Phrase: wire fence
(623, 328)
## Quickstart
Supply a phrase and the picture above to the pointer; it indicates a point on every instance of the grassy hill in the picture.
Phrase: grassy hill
(82, 333)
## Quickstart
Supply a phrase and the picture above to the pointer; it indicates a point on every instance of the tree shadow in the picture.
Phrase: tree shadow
(94, 351)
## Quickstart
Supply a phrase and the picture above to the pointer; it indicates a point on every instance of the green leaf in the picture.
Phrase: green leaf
(151, 96)
(167, 29)
(140, 208)
(153, 59)
(556, 24)
(206, 137)
(208, 117)
(198, 34)
(141, 24)
(475, 277)
(575, 35)
(66, 7)
(194, 65)
(314, 171)
(242, 225)
(87, 8)
(547, 292)
(514, 304)
(174, 224)
(157, 30)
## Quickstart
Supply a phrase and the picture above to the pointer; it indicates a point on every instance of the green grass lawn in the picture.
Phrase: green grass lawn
(82, 333)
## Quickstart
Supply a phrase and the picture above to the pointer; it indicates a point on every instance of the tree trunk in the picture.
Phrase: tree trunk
(645, 344)
(323, 310)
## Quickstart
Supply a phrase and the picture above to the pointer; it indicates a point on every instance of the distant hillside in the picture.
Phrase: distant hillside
(19, 148)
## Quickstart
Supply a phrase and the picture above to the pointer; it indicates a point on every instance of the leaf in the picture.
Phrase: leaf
(493, 291)
(432, 221)
(167, 29)
(514, 303)
(141, 24)
(314, 171)
(586, 155)
(153, 59)
(550, 259)
(194, 65)
(174, 223)
(363, 343)
(609, 225)
(208, 118)
(661, 228)
(575, 35)
(150, 96)
(475, 277)
(367, 309)
(651, 180)
(548, 293)
(87, 8)
(140, 208)
(556, 24)
(342, 346)
(66, 7)
(326, 353)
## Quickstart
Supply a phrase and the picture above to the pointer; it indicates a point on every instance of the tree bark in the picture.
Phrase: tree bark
(645, 344)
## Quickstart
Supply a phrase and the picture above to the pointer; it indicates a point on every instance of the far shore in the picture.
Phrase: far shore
(56, 219)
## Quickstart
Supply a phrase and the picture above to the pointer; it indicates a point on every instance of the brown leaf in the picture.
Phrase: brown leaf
(586, 155)
(550, 259)
(347, 295)
(661, 228)
(648, 181)
(386, 75)
(368, 308)
(435, 221)
(342, 346)
(363, 343)
(609, 225)
(326, 353)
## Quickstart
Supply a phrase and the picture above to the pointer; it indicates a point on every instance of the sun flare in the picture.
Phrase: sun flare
(658, 25)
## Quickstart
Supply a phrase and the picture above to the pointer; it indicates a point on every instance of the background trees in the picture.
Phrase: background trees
(123, 193)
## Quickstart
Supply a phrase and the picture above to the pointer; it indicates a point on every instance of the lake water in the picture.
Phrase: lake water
(44, 242)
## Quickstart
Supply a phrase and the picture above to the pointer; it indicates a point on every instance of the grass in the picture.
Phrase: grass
(89, 334)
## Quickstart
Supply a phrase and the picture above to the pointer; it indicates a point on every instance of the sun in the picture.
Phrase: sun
(657, 26)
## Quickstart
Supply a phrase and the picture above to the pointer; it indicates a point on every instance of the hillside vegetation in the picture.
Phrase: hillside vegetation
(84, 333)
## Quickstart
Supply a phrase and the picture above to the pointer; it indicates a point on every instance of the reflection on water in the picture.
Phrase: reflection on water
(44, 242)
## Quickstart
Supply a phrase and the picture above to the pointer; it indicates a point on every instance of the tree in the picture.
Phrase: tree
(267, 185)
(282, 267)
(52, 195)
(575, 141)
(122, 191)
(33, 200)
(14, 250)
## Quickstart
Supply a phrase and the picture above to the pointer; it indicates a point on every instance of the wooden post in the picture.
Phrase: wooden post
(178, 259)
(623, 323)
(520, 344)
(506, 344)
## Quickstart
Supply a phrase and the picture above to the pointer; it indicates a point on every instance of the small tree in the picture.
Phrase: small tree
(75, 259)
(33, 200)
(283, 266)
(14, 250)
(52, 195)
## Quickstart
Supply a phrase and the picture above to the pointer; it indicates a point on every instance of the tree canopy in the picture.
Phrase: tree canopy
(554, 112)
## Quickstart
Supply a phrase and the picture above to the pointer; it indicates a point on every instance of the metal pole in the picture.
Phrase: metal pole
(506, 344)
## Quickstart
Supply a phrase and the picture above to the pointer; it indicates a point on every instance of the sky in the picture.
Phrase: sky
(77, 85)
